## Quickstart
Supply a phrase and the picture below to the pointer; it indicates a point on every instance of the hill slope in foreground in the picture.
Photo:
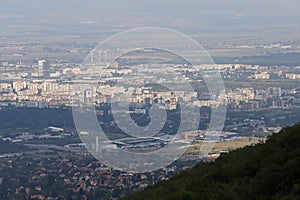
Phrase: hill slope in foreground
(264, 171)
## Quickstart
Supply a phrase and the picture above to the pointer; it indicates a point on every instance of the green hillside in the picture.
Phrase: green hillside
(264, 171)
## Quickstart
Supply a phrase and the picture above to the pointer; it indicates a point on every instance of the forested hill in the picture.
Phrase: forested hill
(264, 171)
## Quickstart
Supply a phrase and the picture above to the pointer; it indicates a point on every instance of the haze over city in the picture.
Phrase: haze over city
(149, 99)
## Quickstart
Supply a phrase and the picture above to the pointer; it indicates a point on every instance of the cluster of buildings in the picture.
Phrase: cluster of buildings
(56, 85)
(254, 99)
(45, 87)
(46, 134)
(75, 175)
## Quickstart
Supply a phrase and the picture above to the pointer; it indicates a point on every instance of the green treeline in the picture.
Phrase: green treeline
(263, 171)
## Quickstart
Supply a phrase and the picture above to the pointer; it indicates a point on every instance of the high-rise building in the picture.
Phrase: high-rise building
(43, 69)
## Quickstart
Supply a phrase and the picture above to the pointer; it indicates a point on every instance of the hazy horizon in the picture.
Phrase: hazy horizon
(192, 16)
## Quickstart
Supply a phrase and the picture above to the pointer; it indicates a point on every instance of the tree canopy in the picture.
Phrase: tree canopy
(264, 171)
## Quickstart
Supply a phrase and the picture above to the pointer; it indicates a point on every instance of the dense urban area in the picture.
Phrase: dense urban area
(47, 71)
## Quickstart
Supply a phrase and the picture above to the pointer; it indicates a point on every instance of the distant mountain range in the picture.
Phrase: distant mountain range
(264, 171)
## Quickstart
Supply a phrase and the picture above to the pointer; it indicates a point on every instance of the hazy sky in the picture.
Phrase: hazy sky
(99, 9)
(191, 15)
